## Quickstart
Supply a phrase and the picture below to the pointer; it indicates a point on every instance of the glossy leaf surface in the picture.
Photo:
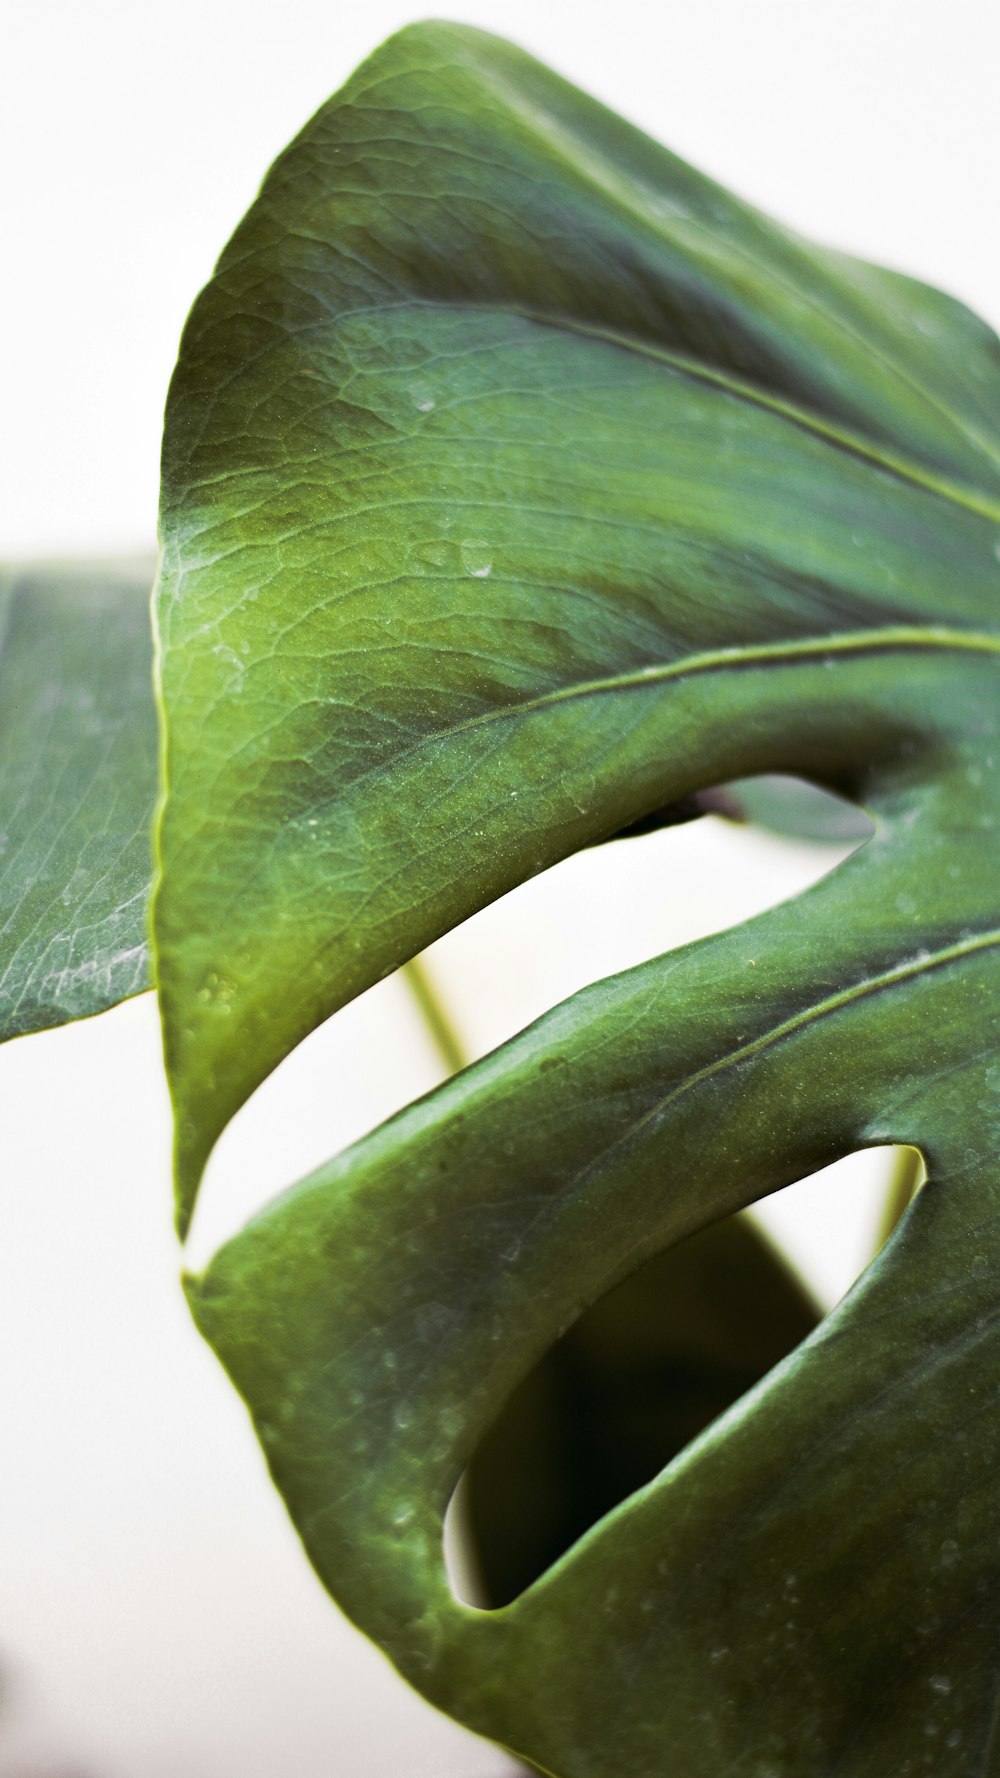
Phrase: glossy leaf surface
(518, 484)
(465, 293)
(77, 789)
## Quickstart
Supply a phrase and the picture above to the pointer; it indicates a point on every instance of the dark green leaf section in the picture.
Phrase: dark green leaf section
(645, 1370)
(77, 788)
(492, 400)
(520, 485)
(814, 1581)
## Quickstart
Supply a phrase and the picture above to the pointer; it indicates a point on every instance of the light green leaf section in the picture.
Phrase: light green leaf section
(77, 789)
(467, 293)
(519, 484)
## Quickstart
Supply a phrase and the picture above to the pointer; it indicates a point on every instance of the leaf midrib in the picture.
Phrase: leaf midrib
(957, 493)
(853, 444)
(788, 653)
(910, 969)
(778, 654)
(899, 637)
(571, 148)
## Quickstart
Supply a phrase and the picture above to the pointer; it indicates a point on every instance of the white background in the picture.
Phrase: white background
(156, 1614)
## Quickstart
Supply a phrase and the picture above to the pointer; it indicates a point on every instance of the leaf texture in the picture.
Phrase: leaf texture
(519, 484)
(77, 788)
(468, 293)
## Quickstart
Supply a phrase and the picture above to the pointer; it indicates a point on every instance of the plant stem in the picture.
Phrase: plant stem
(435, 1015)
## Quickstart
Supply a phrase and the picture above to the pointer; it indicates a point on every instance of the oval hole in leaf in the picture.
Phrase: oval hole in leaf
(635, 1379)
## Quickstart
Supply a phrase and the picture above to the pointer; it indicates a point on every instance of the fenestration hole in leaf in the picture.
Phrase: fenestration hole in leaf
(633, 1382)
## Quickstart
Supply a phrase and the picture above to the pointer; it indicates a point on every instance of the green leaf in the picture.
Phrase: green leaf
(492, 400)
(520, 484)
(77, 788)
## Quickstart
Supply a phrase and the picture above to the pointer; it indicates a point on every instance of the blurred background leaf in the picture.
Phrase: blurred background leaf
(77, 789)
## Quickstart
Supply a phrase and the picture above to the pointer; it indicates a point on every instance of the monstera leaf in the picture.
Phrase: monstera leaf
(77, 788)
(519, 484)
